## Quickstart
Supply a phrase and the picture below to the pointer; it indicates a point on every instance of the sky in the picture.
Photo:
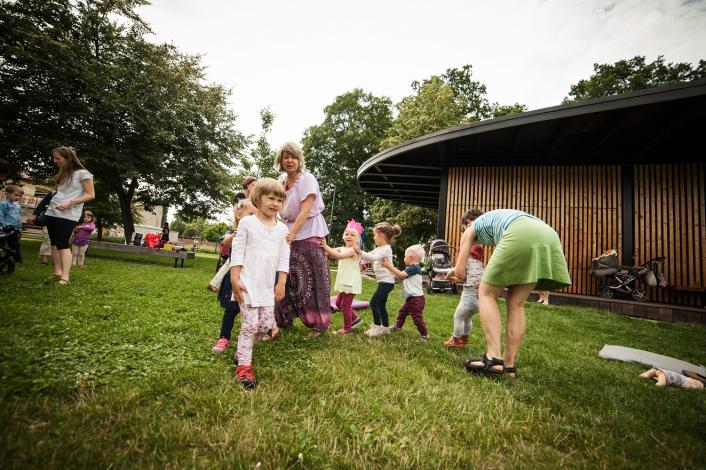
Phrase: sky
(296, 57)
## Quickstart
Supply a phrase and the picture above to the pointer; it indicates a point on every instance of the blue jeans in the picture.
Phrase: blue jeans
(378, 303)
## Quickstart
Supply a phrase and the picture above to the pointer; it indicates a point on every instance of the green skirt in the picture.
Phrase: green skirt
(529, 252)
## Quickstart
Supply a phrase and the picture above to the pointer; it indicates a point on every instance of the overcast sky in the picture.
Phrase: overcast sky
(297, 56)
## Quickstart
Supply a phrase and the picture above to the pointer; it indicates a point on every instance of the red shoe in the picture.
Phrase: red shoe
(454, 342)
(246, 376)
(464, 339)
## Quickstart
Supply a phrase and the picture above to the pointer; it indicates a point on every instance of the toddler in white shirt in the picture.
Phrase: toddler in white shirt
(260, 254)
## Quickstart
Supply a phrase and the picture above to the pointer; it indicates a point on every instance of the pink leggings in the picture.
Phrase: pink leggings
(255, 322)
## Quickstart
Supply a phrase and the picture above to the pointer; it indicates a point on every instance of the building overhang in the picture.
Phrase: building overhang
(657, 125)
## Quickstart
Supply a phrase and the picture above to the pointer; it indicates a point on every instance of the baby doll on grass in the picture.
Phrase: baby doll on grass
(664, 377)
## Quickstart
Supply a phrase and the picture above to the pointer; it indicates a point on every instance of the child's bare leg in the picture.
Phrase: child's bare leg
(693, 384)
(649, 374)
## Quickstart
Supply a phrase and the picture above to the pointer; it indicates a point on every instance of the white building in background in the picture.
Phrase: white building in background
(151, 223)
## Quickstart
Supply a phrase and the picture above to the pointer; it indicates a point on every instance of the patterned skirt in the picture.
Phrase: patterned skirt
(307, 293)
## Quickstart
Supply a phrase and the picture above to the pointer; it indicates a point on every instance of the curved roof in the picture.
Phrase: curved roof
(656, 125)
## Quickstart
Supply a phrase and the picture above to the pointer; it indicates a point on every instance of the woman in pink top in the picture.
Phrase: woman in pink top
(308, 284)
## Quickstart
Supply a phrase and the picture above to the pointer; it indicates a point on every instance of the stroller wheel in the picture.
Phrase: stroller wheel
(7, 267)
(639, 294)
(605, 292)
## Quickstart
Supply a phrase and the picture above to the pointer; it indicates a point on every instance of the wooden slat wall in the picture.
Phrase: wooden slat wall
(670, 221)
(581, 203)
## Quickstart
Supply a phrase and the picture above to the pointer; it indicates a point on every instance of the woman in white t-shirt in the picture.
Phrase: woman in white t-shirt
(74, 188)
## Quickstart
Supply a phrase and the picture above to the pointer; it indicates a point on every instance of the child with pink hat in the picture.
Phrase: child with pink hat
(348, 281)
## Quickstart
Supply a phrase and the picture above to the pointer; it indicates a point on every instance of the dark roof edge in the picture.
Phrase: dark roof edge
(634, 98)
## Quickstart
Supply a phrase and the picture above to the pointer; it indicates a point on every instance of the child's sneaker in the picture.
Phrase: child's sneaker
(423, 339)
(246, 376)
(356, 322)
(393, 329)
(221, 345)
(342, 331)
(212, 288)
(464, 339)
(454, 342)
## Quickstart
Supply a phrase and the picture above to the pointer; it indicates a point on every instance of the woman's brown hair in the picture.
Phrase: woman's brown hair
(72, 164)
(471, 214)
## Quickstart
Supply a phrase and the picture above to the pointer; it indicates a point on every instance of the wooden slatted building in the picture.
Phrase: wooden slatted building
(624, 172)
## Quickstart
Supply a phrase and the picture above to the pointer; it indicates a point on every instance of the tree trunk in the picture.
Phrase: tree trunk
(99, 227)
(125, 199)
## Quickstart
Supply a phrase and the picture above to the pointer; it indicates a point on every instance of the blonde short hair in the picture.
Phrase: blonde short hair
(292, 149)
(415, 250)
(264, 187)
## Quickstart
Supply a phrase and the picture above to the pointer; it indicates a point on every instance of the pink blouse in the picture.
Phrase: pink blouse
(315, 225)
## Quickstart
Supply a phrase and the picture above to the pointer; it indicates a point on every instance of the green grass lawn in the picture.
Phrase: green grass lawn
(116, 370)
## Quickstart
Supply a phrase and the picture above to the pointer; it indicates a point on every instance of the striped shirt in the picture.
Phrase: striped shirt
(490, 226)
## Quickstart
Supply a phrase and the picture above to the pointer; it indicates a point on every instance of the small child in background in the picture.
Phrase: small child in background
(244, 208)
(348, 280)
(412, 290)
(468, 304)
(383, 234)
(10, 217)
(260, 255)
(79, 244)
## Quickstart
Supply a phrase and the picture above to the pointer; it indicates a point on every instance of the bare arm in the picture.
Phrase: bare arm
(279, 287)
(89, 193)
(459, 271)
(301, 218)
(339, 254)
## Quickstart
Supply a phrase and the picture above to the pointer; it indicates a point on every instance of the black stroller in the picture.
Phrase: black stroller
(622, 280)
(7, 256)
(438, 264)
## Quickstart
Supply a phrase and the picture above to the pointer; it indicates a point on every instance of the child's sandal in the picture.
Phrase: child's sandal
(510, 371)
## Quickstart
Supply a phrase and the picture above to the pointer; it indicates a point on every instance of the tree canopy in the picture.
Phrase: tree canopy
(353, 126)
(141, 116)
(631, 75)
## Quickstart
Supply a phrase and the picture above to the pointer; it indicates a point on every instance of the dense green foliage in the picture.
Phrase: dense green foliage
(353, 126)
(115, 370)
(633, 74)
(141, 115)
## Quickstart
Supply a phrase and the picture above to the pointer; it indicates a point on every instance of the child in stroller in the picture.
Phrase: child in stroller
(621, 280)
(438, 264)
(7, 255)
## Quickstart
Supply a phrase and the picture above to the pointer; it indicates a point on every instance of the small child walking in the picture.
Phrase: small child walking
(348, 280)
(260, 255)
(468, 304)
(82, 233)
(383, 234)
(412, 290)
(230, 307)
(10, 217)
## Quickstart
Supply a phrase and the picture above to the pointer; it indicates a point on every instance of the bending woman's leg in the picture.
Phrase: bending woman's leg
(516, 322)
(490, 320)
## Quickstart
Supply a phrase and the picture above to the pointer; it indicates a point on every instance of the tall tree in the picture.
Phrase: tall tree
(351, 132)
(631, 75)
(262, 155)
(439, 102)
(141, 115)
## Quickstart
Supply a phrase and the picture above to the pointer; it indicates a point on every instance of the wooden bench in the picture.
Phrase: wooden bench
(143, 250)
